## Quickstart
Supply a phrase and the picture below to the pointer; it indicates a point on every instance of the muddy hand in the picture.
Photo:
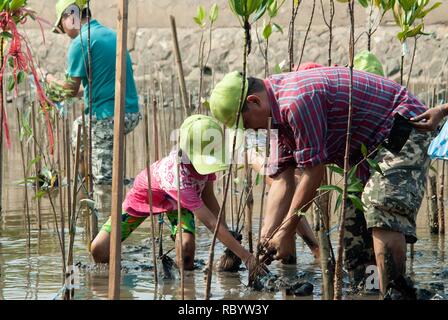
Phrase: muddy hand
(255, 269)
(266, 253)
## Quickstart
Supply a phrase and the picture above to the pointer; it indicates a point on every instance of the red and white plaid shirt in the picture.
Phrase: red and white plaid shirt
(310, 110)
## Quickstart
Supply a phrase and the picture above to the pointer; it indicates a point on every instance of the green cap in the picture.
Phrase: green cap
(61, 6)
(225, 99)
(202, 140)
(368, 62)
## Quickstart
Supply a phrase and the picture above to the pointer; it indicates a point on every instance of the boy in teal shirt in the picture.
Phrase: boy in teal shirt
(72, 20)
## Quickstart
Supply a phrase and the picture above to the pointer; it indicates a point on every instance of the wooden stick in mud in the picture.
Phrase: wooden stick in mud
(322, 210)
(151, 212)
(431, 190)
(69, 293)
(179, 224)
(180, 70)
(338, 268)
(117, 172)
(61, 194)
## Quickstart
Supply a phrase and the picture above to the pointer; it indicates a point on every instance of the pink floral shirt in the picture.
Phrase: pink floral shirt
(164, 188)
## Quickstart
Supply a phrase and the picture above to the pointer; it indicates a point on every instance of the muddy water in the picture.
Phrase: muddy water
(34, 271)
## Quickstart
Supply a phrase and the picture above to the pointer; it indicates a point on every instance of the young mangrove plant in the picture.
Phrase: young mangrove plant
(294, 11)
(329, 23)
(376, 9)
(409, 16)
(268, 28)
(201, 20)
(243, 10)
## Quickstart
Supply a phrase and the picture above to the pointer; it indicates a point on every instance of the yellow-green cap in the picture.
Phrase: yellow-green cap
(368, 62)
(61, 6)
(203, 141)
(225, 99)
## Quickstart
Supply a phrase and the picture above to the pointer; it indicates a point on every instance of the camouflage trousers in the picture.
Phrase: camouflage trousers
(392, 200)
(103, 143)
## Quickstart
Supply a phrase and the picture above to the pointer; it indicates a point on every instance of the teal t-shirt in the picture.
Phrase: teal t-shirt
(103, 50)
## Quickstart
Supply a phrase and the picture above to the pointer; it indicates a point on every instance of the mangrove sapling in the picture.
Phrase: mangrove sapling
(294, 11)
(329, 23)
(243, 11)
(406, 14)
(273, 8)
(338, 268)
(151, 212)
(307, 32)
(381, 7)
(179, 223)
(200, 20)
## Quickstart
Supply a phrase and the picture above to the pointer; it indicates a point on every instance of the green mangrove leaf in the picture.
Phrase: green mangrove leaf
(336, 169)
(364, 150)
(277, 27)
(364, 3)
(214, 12)
(267, 31)
(330, 188)
(356, 201)
(14, 5)
(374, 165)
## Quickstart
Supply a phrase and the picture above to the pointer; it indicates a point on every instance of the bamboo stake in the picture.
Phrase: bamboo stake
(441, 198)
(151, 212)
(250, 198)
(27, 209)
(117, 175)
(36, 166)
(263, 192)
(326, 259)
(69, 292)
(179, 224)
(155, 127)
(2, 105)
(61, 194)
(180, 70)
(338, 269)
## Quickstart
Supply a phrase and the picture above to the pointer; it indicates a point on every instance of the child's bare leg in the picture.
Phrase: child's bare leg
(188, 246)
(304, 231)
(100, 247)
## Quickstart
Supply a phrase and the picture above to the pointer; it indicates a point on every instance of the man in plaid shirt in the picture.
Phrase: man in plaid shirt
(310, 111)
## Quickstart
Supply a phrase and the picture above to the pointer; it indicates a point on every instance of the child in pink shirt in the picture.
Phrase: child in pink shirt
(197, 198)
